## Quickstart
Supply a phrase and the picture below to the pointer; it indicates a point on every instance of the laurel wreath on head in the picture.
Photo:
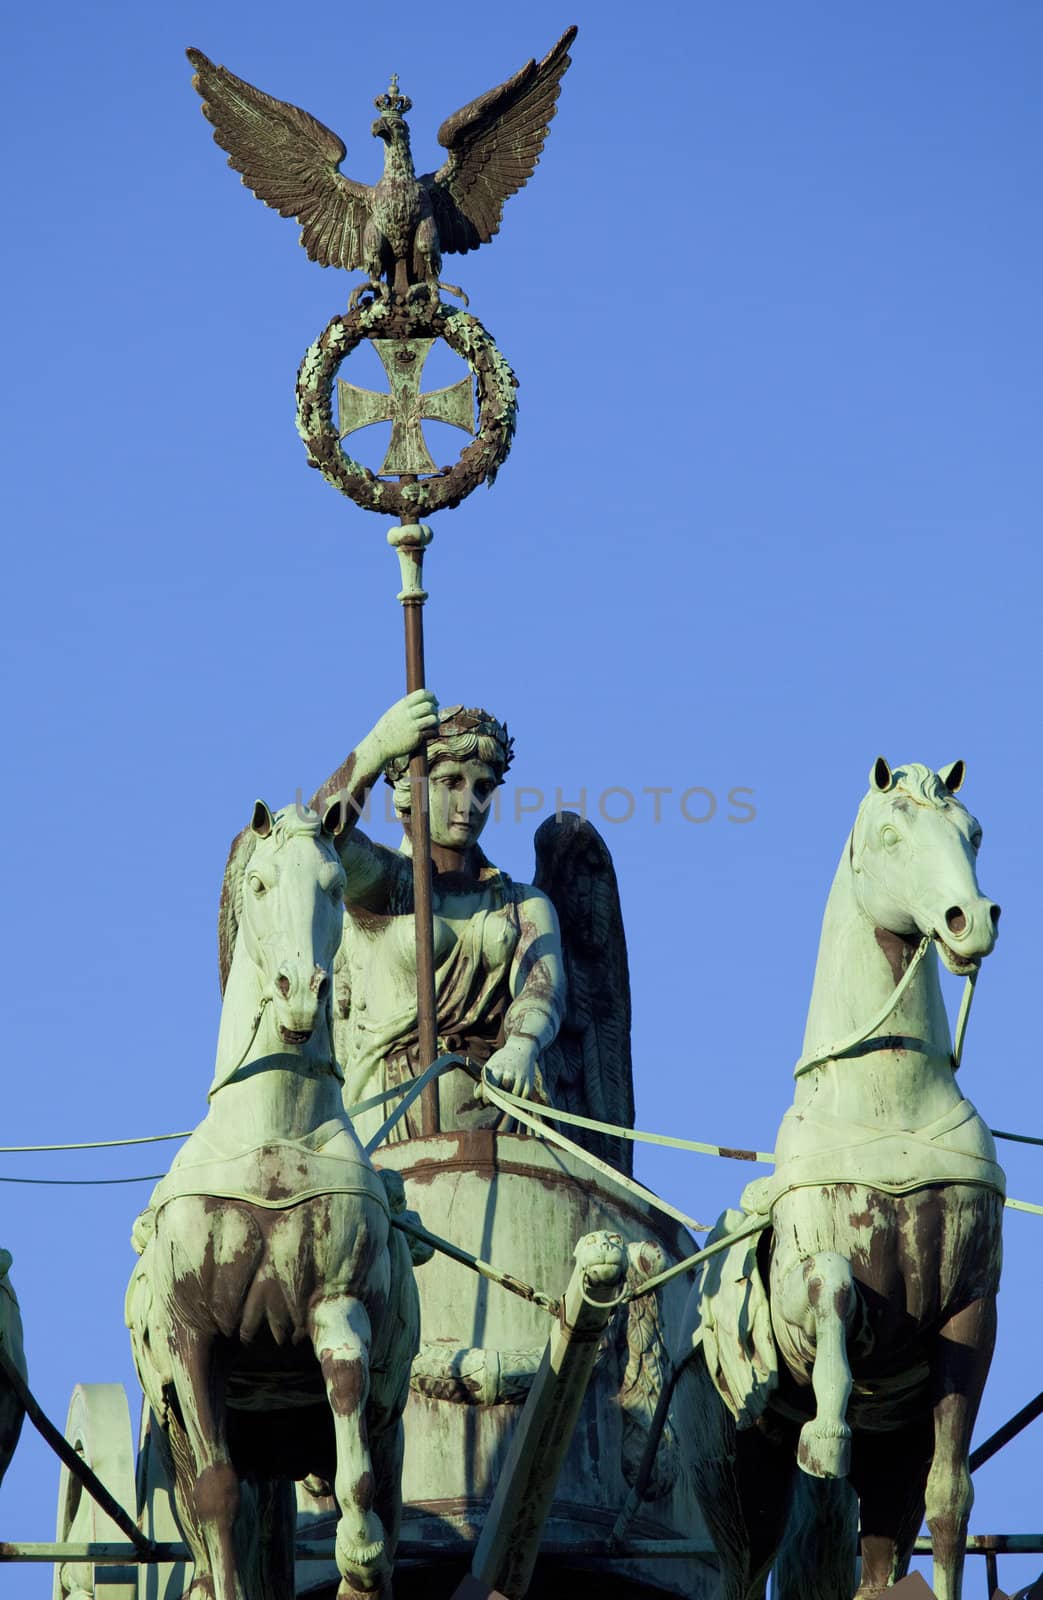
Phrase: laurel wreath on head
(497, 407)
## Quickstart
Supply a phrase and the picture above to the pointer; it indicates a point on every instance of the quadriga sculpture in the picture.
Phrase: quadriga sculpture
(867, 1355)
(274, 1314)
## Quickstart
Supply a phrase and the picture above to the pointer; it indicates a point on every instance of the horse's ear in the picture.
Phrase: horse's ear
(953, 775)
(881, 777)
(335, 818)
(262, 821)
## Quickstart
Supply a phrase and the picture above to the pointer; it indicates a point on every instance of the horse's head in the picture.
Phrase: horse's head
(292, 913)
(913, 852)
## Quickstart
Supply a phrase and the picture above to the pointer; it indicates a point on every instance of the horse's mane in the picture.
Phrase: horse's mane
(230, 908)
(286, 824)
(921, 784)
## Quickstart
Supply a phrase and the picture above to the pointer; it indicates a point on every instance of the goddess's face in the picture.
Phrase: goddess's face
(461, 799)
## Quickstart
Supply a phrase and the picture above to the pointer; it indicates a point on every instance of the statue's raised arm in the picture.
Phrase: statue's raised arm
(398, 733)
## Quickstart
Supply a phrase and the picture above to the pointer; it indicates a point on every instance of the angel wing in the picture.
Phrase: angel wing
(494, 144)
(588, 1067)
(290, 160)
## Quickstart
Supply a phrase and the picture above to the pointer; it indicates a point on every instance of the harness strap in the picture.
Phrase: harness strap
(515, 1107)
(756, 1223)
(961, 1020)
(429, 1074)
(637, 1136)
(484, 1269)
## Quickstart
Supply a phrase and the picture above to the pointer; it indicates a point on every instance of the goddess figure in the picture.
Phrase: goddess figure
(546, 1021)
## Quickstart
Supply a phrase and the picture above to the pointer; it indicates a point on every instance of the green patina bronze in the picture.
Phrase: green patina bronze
(276, 1323)
(405, 407)
(885, 1209)
(270, 1278)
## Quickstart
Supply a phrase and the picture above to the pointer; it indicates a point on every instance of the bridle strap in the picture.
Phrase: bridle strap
(834, 1052)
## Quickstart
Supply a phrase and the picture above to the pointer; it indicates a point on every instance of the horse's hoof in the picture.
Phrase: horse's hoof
(366, 1566)
(824, 1450)
(348, 1591)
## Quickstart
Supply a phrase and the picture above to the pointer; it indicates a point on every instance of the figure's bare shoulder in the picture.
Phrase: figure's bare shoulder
(535, 907)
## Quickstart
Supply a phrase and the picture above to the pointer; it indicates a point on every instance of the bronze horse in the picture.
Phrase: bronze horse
(865, 1355)
(274, 1315)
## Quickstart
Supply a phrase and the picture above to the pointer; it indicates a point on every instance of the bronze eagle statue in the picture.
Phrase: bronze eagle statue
(397, 229)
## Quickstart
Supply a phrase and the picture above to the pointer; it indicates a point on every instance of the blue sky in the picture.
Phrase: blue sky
(772, 509)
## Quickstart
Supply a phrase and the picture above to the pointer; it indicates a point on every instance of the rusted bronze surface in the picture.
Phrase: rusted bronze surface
(410, 541)
(397, 229)
(408, 499)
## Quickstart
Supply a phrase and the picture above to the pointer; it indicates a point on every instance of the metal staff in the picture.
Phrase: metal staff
(410, 540)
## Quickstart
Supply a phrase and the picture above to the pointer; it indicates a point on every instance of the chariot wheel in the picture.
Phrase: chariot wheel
(98, 1428)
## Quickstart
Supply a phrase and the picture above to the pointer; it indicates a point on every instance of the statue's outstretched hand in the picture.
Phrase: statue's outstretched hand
(402, 728)
(515, 1067)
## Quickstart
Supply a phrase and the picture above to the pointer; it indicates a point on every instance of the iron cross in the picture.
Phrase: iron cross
(405, 407)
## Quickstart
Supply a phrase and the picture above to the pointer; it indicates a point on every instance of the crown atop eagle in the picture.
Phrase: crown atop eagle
(391, 102)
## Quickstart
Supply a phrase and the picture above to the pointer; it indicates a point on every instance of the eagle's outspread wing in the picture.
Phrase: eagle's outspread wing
(290, 160)
(494, 145)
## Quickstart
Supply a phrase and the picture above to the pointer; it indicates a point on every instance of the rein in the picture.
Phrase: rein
(836, 1052)
(522, 1112)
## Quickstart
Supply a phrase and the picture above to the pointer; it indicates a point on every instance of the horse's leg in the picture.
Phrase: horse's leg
(387, 1447)
(816, 1560)
(277, 1530)
(818, 1296)
(743, 1482)
(340, 1334)
(214, 1494)
(888, 1473)
(959, 1367)
(182, 1475)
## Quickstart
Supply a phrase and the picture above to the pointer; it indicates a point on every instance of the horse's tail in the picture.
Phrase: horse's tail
(816, 1560)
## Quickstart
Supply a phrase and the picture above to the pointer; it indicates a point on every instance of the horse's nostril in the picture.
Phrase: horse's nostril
(955, 920)
(282, 983)
(320, 983)
(994, 913)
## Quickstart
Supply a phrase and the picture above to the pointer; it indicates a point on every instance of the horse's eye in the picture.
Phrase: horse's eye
(889, 837)
(976, 840)
(257, 884)
(336, 891)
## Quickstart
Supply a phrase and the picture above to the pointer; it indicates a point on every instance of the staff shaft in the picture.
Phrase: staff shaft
(410, 541)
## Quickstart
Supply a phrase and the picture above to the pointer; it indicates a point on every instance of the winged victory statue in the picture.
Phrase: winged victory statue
(397, 229)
